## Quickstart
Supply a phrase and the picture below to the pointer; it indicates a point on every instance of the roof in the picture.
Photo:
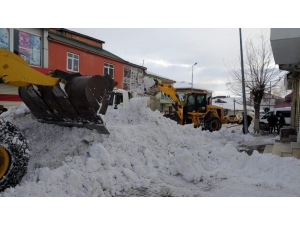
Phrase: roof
(135, 65)
(268, 95)
(283, 104)
(289, 96)
(83, 45)
(160, 76)
(82, 35)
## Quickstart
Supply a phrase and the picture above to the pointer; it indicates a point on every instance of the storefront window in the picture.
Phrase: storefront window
(28, 47)
(4, 38)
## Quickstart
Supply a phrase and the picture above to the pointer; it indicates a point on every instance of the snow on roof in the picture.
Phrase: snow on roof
(187, 85)
(238, 105)
(180, 84)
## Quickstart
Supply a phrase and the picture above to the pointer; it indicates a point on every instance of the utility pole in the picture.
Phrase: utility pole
(243, 85)
(234, 106)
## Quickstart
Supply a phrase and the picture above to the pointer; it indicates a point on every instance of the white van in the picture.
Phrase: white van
(286, 111)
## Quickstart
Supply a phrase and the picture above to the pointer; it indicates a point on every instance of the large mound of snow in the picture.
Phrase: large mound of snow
(147, 154)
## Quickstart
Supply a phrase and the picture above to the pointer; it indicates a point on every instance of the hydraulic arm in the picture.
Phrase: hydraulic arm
(59, 97)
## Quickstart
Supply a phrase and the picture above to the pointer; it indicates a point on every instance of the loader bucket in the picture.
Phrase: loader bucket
(82, 102)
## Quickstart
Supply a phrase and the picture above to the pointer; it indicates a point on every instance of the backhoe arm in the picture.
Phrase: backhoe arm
(16, 72)
(170, 91)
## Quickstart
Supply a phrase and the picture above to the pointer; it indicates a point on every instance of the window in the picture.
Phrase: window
(72, 62)
(118, 97)
(4, 38)
(266, 116)
(284, 113)
(28, 47)
(109, 69)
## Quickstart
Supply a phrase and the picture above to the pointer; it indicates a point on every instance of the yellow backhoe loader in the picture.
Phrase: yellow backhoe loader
(57, 98)
(196, 108)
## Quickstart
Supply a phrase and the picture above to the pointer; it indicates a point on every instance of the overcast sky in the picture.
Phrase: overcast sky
(149, 33)
(171, 52)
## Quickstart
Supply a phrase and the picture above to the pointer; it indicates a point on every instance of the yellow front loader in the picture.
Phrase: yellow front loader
(196, 108)
(57, 98)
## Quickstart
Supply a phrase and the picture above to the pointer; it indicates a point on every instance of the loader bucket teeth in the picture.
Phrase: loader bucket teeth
(82, 102)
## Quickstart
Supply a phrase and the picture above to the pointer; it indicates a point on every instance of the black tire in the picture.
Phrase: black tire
(212, 124)
(264, 126)
(14, 155)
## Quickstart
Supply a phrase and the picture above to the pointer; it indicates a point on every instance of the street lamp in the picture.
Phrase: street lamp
(192, 75)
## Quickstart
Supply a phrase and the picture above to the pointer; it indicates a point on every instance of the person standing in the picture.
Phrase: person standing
(281, 122)
(272, 120)
(249, 119)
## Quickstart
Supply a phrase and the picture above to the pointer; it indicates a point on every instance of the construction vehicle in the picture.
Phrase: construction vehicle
(56, 98)
(196, 108)
(120, 98)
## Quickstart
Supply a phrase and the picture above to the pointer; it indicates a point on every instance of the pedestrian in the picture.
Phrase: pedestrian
(272, 120)
(281, 122)
(275, 123)
(249, 119)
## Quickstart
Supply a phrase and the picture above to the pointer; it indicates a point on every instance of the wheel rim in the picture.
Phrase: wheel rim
(214, 125)
(4, 161)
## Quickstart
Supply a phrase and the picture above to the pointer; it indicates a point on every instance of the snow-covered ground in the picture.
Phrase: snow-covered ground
(149, 155)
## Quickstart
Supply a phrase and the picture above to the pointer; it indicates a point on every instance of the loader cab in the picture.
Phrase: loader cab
(119, 98)
(195, 102)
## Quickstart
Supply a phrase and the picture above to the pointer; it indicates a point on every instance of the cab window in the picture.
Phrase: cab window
(190, 100)
(284, 113)
(119, 98)
(266, 116)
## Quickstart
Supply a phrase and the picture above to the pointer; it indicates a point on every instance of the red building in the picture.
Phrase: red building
(57, 48)
(74, 52)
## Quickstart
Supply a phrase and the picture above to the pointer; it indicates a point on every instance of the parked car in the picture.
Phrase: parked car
(285, 111)
(233, 119)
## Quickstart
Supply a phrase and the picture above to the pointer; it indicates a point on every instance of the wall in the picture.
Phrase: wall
(133, 77)
(89, 63)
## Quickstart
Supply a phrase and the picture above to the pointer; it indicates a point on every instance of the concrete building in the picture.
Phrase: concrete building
(285, 44)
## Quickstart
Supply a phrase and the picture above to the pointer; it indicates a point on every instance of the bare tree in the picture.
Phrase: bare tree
(260, 72)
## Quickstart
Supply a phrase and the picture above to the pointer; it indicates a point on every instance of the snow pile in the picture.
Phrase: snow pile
(147, 154)
(147, 87)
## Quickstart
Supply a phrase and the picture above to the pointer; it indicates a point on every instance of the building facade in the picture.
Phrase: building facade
(285, 44)
(58, 48)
